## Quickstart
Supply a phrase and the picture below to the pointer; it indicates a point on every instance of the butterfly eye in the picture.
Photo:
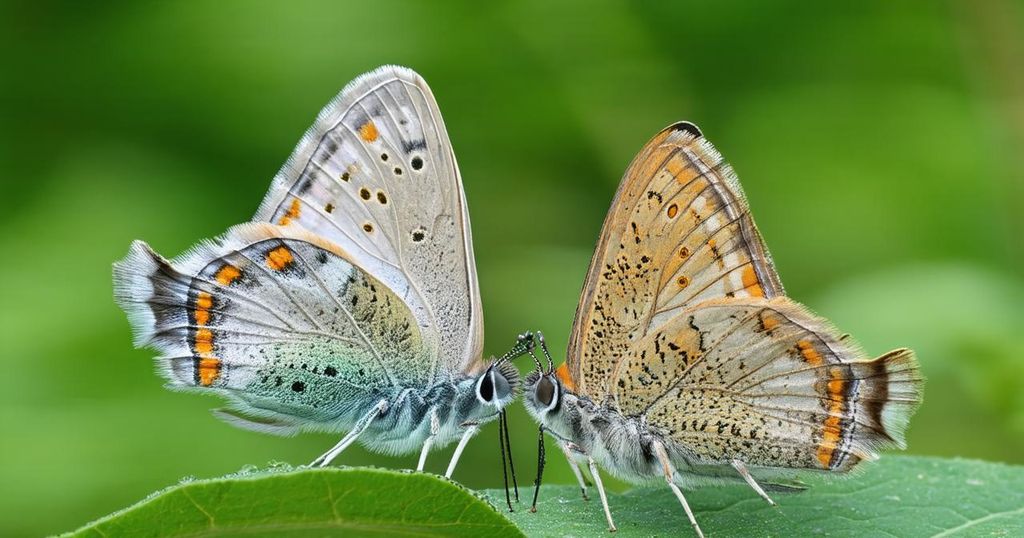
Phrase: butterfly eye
(485, 387)
(546, 393)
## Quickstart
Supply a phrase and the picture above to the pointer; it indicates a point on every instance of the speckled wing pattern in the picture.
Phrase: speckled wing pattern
(768, 383)
(679, 232)
(684, 321)
(376, 174)
(278, 320)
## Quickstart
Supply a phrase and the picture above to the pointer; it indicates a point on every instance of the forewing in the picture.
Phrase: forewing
(277, 319)
(768, 383)
(376, 174)
(679, 232)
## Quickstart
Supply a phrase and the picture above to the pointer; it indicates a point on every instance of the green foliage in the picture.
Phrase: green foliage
(342, 502)
(898, 496)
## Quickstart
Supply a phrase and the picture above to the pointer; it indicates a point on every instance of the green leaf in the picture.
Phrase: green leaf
(898, 496)
(319, 502)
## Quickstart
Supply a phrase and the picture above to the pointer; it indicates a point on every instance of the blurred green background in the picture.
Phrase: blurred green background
(881, 146)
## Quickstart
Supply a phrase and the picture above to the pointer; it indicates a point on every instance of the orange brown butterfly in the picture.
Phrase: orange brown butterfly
(689, 365)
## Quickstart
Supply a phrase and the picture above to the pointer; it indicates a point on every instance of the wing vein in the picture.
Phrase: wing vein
(700, 360)
(348, 314)
(273, 278)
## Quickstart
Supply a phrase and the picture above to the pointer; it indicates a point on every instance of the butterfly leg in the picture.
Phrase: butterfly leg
(600, 491)
(670, 477)
(435, 425)
(567, 450)
(360, 426)
(742, 469)
(471, 430)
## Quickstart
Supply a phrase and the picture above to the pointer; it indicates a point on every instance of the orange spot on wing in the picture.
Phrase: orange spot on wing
(209, 371)
(673, 210)
(204, 342)
(809, 354)
(562, 373)
(228, 274)
(835, 388)
(769, 321)
(279, 258)
(750, 282)
(293, 212)
(368, 132)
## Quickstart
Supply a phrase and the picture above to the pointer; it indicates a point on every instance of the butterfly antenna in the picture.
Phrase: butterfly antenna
(536, 362)
(547, 354)
(524, 344)
(540, 467)
(501, 445)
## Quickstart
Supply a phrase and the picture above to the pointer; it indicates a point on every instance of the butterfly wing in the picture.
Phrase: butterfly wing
(284, 323)
(376, 175)
(679, 232)
(768, 383)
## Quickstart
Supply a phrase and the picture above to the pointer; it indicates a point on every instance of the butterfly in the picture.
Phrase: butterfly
(687, 361)
(350, 303)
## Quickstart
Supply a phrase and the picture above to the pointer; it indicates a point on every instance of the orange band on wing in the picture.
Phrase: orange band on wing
(562, 373)
(836, 389)
(207, 367)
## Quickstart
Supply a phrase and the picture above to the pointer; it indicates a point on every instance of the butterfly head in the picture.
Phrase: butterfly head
(543, 392)
(498, 384)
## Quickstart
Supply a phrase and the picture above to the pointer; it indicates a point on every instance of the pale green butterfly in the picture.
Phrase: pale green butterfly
(687, 362)
(350, 303)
